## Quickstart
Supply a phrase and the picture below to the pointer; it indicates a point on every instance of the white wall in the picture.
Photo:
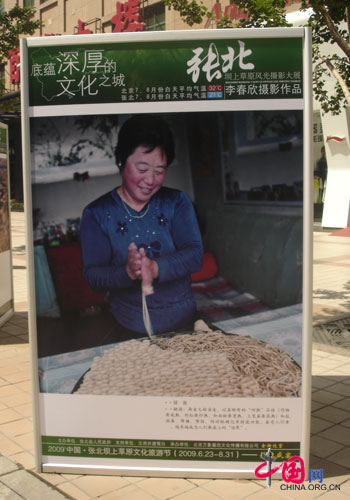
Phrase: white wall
(337, 201)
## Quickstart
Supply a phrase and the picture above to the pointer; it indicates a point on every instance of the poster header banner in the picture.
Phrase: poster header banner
(166, 71)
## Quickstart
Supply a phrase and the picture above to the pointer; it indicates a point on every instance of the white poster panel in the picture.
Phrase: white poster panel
(168, 179)
(6, 292)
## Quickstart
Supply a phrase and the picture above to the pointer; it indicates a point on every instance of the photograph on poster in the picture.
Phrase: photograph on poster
(115, 194)
(4, 208)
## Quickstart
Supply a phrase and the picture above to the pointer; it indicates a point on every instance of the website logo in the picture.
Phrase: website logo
(293, 474)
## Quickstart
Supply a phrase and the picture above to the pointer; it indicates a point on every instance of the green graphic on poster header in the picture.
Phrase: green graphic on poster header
(213, 451)
(3, 140)
(184, 70)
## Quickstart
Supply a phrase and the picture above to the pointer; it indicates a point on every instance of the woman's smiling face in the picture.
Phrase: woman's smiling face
(143, 175)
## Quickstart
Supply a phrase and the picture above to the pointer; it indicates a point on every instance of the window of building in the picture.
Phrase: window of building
(154, 17)
(2, 7)
(2, 78)
(28, 3)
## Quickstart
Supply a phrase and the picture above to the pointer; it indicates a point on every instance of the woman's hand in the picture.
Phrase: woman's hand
(149, 272)
(139, 266)
(133, 263)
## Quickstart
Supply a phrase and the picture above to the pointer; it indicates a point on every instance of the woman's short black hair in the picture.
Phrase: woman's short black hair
(148, 131)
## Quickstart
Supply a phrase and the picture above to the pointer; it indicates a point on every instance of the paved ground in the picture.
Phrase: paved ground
(330, 437)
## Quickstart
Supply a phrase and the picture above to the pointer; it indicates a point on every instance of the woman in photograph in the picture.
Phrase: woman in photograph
(142, 237)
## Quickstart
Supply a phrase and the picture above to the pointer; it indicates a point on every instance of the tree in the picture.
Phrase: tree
(330, 23)
(17, 21)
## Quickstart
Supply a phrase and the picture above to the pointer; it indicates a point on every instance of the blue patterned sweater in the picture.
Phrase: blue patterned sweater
(168, 231)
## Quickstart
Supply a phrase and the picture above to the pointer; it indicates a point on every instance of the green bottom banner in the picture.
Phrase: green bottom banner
(166, 450)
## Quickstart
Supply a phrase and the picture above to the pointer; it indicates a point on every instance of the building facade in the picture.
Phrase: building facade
(79, 17)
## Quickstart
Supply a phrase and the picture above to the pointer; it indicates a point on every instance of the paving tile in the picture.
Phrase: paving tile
(339, 378)
(134, 479)
(341, 457)
(26, 441)
(322, 447)
(99, 485)
(337, 433)
(198, 493)
(18, 399)
(339, 357)
(9, 390)
(270, 493)
(18, 320)
(3, 382)
(131, 492)
(17, 427)
(316, 406)
(228, 488)
(327, 363)
(321, 382)
(326, 397)
(6, 493)
(342, 371)
(7, 465)
(8, 447)
(51, 477)
(25, 386)
(335, 480)
(318, 424)
(8, 340)
(342, 389)
(24, 338)
(335, 415)
(73, 491)
(69, 477)
(330, 494)
(25, 410)
(12, 328)
(8, 415)
(25, 459)
(163, 488)
(319, 370)
(313, 461)
(28, 486)
(343, 404)
(13, 378)
(321, 354)
(345, 488)
(198, 481)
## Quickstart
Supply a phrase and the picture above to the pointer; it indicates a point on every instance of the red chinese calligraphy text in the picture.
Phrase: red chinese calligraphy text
(81, 28)
(128, 17)
(292, 472)
(14, 66)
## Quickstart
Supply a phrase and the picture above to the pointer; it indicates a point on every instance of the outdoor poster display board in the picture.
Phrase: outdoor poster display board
(237, 104)
(6, 291)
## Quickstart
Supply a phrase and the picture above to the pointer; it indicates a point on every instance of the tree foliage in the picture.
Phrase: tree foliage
(330, 23)
(17, 21)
